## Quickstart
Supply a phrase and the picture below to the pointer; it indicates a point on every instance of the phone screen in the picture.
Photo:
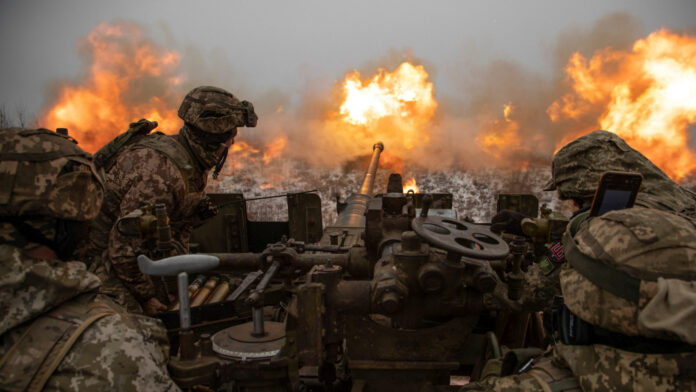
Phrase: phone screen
(616, 191)
(614, 199)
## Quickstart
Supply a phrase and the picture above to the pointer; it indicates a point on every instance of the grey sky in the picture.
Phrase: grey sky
(283, 44)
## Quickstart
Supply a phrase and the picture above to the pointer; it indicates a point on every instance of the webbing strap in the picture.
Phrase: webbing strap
(46, 371)
(51, 338)
(602, 275)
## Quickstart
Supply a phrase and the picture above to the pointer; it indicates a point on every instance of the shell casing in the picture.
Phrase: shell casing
(204, 292)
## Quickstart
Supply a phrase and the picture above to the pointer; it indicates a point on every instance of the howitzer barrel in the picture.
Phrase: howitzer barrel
(354, 213)
(369, 181)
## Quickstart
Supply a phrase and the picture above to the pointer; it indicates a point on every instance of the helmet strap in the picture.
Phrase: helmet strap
(220, 163)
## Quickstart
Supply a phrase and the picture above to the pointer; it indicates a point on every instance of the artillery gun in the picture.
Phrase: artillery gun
(390, 298)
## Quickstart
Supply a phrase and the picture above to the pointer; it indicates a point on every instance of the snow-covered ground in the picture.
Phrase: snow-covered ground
(474, 192)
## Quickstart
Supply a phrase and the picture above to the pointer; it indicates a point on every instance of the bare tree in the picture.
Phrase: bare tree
(20, 119)
(4, 118)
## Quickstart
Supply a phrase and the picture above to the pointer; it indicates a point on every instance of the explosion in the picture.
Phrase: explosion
(410, 185)
(129, 78)
(647, 96)
(501, 135)
(393, 107)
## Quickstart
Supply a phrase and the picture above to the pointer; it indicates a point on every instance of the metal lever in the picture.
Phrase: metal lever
(256, 299)
(180, 266)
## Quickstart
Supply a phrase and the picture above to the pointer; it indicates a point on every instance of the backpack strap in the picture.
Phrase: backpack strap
(50, 336)
(600, 274)
(105, 157)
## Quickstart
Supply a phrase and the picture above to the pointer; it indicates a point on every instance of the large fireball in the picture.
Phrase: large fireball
(395, 107)
(128, 78)
(647, 96)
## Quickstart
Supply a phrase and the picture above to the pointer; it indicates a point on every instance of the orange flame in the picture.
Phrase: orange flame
(410, 185)
(274, 149)
(646, 95)
(393, 107)
(500, 135)
(114, 92)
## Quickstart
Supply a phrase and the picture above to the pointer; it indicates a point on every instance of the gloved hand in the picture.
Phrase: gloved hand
(508, 221)
(153, 306)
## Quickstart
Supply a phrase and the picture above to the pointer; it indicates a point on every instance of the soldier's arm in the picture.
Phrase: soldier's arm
(146, 177)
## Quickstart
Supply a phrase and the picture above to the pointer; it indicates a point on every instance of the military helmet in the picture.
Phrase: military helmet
(45, 174)
(577, 167)
(214, 110)
(632, 271)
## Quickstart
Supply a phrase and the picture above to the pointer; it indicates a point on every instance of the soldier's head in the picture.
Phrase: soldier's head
(632, 272)
(577, 167)
(50, 189)
(212, 116)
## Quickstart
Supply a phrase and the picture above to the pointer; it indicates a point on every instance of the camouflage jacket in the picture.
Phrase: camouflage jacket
(117, 351)
(600, 368)
(142, 175)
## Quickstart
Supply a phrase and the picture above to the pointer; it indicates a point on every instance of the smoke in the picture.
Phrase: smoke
(526, 136)
(469, 130)
(500, 117)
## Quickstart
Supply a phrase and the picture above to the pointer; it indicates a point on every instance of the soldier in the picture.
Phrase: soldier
(576, 169)
(57, 332)
(161, 169)
(629, 313)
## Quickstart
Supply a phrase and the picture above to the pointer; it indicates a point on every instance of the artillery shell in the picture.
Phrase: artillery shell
(205, 291)
(196, 285)
(220, 293)
(193, 288)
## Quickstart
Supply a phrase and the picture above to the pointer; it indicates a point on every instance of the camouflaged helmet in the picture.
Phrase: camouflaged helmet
(633, 271)
(577, 167)
(44, 173)
(215, 110)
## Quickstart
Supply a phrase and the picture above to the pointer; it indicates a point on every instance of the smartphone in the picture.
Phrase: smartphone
(616, 191)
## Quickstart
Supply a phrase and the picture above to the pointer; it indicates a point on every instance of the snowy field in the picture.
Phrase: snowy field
(474, 192)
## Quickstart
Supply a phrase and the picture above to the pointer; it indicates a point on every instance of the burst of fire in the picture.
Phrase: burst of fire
(410, 185)
(393, 107)
(646, 95)
(500, 135)
(274, 149)
(114, 91)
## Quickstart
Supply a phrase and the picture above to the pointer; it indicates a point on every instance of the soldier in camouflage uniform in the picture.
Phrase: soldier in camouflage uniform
(56, 332)
(576, 169)
(630, 308)
(161, 169)
(628, 284)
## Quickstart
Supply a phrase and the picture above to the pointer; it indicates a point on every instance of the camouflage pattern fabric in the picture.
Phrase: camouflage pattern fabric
(602, 368)
(29, 288)
(577, 166)
(548, 373)
(645, 244)
(207, 154)
(599, 368)
(537, 293)
(118, 352)
(540, 287)
(138, 177)
(45, 173)
(215, 110)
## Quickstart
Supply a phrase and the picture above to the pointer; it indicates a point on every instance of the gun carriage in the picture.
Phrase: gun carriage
(389, 297)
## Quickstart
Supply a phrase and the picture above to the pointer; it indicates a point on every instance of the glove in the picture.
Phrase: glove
(508, 221)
